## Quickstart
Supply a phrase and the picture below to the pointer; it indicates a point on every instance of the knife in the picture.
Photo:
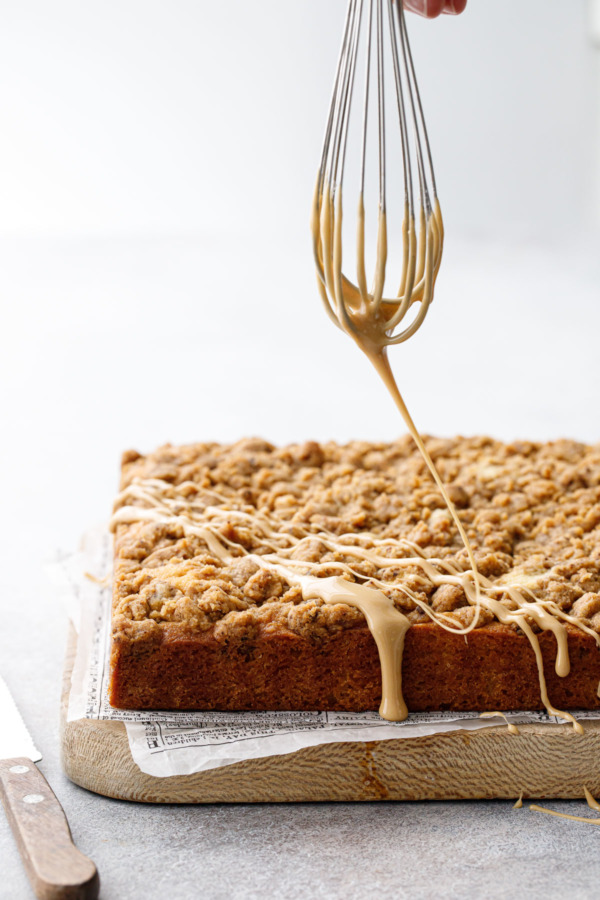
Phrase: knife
(56, 868)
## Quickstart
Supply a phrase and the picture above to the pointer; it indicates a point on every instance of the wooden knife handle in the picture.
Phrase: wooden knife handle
(56, 868)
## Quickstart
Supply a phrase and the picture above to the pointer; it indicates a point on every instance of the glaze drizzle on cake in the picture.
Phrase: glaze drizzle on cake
(274, 515)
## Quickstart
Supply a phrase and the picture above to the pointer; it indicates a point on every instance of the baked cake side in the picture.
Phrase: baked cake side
(190, 632)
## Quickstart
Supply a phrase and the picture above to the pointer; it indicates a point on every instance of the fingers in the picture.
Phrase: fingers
(454, 7)
(431, 9)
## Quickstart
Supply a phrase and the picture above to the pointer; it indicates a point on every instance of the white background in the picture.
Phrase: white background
(156, 169)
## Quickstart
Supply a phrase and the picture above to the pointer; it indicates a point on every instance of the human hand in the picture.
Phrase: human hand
(432, 8)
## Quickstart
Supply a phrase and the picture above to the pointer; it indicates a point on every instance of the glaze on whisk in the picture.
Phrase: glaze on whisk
(375, 319)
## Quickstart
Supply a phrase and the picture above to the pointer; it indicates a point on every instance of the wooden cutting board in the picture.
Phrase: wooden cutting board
(542, 761)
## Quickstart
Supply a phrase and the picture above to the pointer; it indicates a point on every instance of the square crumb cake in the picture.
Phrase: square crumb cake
(198, 623)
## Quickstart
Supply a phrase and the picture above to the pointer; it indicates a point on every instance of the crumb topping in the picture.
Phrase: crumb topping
(530, 510)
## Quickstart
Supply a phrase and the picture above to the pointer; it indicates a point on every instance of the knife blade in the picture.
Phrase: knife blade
(56, 869)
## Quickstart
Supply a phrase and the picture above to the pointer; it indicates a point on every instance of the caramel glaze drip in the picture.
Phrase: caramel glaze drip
(148, 500)
(512, 728)
(591, 802)
(387, 625)
(553, 812)
(371, 319)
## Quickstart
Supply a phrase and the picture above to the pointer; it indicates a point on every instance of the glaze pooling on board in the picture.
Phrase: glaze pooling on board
(512, 728)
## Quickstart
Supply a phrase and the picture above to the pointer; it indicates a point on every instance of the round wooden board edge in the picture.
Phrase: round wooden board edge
(543, 762)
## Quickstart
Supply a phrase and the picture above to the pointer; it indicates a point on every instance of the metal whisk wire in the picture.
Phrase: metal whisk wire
(352, 306)
(373, 320)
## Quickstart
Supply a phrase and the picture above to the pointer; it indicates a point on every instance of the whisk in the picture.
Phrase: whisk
(376, 321)
(373, 319)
